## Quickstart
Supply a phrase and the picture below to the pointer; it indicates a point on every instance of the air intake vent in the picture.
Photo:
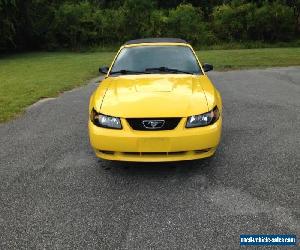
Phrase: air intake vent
(153, 124)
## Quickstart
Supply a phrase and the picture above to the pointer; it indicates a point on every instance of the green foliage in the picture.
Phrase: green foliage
(158, 24)
(231, 22)
(74, 25)
(187, 22)
(137, 17)
(7, 23)
(242, 22)
(109, 25)
(41, 16)
(77, 24)
(272, 22)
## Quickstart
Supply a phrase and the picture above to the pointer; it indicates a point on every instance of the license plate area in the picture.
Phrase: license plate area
(154, 145)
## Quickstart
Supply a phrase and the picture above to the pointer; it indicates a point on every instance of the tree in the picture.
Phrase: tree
(137, 17)
(231, 22)
(74, 25)
(295, 4)
(187, 22)
(8, 13)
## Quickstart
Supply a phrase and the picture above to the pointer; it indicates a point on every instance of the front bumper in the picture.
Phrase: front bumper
(155, 146)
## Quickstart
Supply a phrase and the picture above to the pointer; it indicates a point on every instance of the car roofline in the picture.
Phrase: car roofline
(155, 40)
(155, 44)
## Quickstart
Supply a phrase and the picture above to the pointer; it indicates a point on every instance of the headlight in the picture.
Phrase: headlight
(203, 119)
(105, 121)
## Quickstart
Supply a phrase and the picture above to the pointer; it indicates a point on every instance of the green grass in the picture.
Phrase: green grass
(249, 45)
(26, 78)
(251, 58)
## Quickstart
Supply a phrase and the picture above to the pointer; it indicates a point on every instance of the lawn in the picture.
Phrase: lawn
(26, 78)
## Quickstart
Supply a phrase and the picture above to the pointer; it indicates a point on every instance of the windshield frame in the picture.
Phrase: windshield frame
(153, 44)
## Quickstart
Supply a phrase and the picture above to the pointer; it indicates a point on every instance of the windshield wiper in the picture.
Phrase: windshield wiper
(125, 72)
(166, 69)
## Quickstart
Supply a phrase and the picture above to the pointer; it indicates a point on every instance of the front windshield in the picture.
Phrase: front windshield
(180, 59)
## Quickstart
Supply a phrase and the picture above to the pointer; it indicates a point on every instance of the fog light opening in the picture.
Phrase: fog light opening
(202, 151)
(106, 152)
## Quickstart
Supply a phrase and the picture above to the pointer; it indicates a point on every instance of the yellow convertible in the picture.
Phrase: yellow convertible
(155, 104)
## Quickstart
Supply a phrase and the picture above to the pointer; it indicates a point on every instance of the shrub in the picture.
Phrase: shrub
(110, 26)
(137, 17)
(157, 26)
(187, 22)
(7, 24)
(231, 22)
(272, 22)
(36, 24)
(74, 25)
(248, 21)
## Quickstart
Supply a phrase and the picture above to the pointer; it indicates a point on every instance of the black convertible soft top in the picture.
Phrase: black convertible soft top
(156, 40)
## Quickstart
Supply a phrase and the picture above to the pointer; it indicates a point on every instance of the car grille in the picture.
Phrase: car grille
(137, 123)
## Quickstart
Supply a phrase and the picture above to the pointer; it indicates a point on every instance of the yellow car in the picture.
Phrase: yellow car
(155, 104)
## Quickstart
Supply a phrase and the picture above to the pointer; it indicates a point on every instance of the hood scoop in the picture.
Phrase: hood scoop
(158, 85)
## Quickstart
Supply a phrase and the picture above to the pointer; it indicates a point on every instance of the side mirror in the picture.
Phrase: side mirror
(103, 70)
(207, 67)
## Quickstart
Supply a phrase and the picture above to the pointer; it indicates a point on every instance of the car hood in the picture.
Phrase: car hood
(166, 95)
